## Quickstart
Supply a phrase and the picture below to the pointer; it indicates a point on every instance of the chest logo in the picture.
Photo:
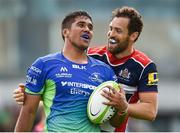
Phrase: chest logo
(79, 67)
(63, 73)
(63, 69)
(125, 73)
(96, 77)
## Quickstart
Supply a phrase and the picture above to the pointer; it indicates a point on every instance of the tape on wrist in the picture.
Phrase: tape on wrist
(123, 112)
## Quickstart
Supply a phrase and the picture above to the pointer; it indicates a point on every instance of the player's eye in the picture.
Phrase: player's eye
(81, 25)
(90, 27)
(119, 31)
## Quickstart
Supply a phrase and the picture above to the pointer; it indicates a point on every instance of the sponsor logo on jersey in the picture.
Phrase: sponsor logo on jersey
(63, 69)
(76, 91)
(153, 78)
(125, 73)
(78, 67)
(63, 73)
(78, 85)
(95, 77)
(35, 69)
(31, 80)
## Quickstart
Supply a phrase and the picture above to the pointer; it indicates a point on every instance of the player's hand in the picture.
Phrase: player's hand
(117, 99)
(18, 94)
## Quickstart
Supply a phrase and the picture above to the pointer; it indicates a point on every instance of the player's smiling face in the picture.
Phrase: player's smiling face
(81, 32)
(118, 38)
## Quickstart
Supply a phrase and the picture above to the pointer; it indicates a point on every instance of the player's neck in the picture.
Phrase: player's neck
(75, 55)
(125, 53)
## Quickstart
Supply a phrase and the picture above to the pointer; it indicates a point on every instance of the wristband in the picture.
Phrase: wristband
(123, 112)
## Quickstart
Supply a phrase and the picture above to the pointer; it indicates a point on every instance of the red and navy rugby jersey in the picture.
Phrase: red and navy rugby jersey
(136, 73)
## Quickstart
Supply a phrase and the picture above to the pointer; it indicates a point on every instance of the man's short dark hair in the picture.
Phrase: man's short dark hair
(70, 18)
(135, 21)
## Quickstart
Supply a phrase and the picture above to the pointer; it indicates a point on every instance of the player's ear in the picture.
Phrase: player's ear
(65, 32)
(134, 36)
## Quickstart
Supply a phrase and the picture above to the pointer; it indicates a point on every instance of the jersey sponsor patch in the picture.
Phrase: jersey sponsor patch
(31, 80)
(35, 69)
(152, 78)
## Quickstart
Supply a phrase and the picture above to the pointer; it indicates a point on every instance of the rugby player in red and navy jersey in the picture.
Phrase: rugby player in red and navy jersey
(136, 72)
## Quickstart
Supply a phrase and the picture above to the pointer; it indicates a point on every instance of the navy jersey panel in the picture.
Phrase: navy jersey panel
(149, 79)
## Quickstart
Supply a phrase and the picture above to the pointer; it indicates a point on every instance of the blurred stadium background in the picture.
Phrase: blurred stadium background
(31, 28)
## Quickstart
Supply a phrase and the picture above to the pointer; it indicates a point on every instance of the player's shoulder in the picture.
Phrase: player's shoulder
(96, 62)
(50, 57)
(97, 50)
(46, 59)
(141, 58)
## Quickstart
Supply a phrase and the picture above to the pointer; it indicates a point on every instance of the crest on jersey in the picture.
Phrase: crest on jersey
(96, 77)
(125, 73)
(153, 78)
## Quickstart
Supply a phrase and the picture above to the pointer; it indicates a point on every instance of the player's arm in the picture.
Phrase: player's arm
(34, 88)
(147, 107)
(18, 94)
(27, 114)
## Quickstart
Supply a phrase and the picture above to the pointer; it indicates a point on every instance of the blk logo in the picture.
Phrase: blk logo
(79, 67)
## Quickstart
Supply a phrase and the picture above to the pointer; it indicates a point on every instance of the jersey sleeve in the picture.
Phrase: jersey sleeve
(149, 80)
(35, 78)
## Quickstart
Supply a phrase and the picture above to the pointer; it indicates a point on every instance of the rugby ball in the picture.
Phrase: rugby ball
(98, 112)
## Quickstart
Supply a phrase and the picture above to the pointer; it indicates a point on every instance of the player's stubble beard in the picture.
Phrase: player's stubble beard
(120, 47)
(80, 47)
